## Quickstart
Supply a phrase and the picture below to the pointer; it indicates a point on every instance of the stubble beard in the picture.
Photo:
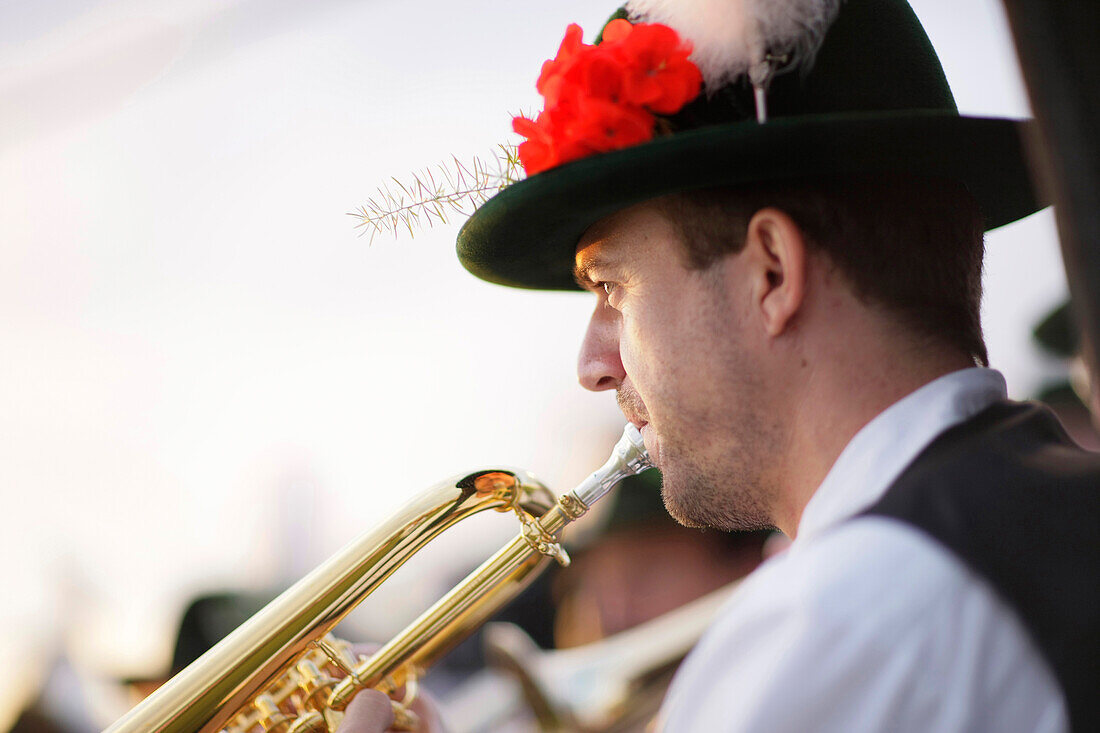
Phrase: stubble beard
(727, 491)
(699, 492)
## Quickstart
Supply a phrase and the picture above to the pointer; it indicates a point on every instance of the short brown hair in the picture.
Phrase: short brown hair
(913, 245)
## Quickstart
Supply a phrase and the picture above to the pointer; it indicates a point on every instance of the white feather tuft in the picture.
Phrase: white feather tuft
(731, 37)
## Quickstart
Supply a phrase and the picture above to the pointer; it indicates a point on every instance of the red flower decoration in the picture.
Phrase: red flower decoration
(604, 97)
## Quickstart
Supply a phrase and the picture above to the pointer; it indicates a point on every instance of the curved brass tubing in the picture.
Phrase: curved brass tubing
(282, 671)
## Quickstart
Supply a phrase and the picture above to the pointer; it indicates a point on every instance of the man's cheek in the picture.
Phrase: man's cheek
(637, 350)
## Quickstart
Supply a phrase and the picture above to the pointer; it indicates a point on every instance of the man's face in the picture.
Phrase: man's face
(680, 348)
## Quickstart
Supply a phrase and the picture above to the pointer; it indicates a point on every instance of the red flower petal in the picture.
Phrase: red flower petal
(601, 98)
(569, 48)
(617, 30)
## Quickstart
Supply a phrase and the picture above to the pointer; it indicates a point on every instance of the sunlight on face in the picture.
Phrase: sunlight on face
(679, 348)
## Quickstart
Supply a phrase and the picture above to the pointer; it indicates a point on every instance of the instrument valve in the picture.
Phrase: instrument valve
(272, 719)
(314, 684)
(310, 722)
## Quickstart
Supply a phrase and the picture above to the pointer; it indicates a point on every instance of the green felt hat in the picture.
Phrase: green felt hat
(207, 620)
(875, 100)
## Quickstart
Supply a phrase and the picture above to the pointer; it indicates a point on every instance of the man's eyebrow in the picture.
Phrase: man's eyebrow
(582, 270)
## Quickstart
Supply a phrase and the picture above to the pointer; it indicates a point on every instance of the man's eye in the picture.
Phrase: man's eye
(611, 293)
(608, 287)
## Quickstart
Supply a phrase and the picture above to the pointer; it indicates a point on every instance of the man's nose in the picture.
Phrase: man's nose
(599, 366)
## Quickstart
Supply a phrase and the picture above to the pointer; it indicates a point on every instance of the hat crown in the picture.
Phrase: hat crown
(875, 57)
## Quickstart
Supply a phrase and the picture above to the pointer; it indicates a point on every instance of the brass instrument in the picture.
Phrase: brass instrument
(282, 671)
(614, 684)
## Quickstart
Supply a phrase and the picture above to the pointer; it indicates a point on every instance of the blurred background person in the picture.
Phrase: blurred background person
(1069, 392)
(206, 620)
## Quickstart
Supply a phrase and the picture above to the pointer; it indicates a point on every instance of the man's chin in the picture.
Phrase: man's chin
(696, 504)
(676, 512)
(680, 502)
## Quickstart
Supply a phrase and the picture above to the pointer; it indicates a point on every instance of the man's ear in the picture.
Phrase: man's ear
(775, 250)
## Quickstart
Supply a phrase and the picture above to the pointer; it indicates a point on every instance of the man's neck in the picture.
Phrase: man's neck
(841, 392)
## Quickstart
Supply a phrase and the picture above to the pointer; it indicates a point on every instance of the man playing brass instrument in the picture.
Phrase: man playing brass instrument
(780, 214)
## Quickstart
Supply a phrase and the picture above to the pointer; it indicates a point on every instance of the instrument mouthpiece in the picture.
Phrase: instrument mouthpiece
(628, 458)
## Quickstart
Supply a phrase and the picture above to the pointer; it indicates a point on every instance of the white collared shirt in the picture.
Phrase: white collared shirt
(868, 624)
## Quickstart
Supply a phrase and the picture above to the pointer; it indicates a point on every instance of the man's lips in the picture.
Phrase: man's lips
(633, 408)
(650, 444)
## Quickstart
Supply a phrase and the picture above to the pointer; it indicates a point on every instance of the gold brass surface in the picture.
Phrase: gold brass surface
(282, 671)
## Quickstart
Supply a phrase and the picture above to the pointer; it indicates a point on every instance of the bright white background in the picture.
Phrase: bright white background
(207, 379)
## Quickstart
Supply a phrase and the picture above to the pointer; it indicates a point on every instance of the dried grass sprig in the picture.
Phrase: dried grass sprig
(435, 194)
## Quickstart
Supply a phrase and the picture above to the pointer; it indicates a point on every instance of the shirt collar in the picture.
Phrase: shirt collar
(884, 447)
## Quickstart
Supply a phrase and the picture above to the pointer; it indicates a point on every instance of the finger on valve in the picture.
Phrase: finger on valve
(413, 713)
(370, 711)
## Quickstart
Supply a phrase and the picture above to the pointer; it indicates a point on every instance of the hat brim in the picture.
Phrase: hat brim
(526, 235)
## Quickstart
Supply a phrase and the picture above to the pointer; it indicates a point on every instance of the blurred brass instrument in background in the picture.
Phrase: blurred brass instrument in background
(283, 671)
(612, 685)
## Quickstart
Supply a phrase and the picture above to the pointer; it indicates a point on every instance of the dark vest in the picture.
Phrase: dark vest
(1017, 501)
